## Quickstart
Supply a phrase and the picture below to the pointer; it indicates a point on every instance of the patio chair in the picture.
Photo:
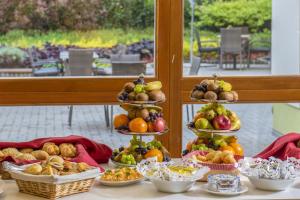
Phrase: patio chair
(81, 64)
(127, 65)
(38, 65)
(232, 44)
(202, 49)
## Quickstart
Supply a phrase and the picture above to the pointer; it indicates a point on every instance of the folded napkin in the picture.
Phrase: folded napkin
(282, 148)
(88, 151)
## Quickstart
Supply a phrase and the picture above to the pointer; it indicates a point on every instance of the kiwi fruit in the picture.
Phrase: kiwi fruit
(129, 87)
(131, 114)
(142, 97)
(143, 113)
(212, 86)
(157, 95)
(198, 94)
(235, 95)
(226, 96)
(211, 95)
(131, 96)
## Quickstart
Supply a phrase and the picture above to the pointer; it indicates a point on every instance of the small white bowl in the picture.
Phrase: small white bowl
(172, 186)
(270, 184)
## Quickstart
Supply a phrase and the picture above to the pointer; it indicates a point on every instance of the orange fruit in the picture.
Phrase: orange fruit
(227, 148)
(238, 149)
(232, 139)
(189, 146)
(150, 127)
(138, 125)
(155, 153)
(120, 120)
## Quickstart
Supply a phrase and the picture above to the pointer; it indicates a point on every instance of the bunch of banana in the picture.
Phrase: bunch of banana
(155, 85)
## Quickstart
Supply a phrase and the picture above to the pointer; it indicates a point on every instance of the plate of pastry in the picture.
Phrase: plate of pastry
(121, 177)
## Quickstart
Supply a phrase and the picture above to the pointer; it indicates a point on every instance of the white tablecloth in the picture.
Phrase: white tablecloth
(146, 191)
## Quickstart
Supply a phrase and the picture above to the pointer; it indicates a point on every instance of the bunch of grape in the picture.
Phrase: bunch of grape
(153, 116)
(140, 80)
(123, 96)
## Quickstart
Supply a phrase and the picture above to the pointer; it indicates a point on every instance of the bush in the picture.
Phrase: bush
(256, 14)
(12, 57)
(75, 14)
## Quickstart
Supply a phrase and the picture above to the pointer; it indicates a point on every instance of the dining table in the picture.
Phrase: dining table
(145, 190)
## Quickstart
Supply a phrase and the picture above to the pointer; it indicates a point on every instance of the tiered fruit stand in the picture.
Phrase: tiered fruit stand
(155, 112)
(218, 139)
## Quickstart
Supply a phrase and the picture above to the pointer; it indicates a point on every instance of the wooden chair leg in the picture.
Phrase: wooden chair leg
(70, 116)
(106, 115)
(187, 112)
(193, 111)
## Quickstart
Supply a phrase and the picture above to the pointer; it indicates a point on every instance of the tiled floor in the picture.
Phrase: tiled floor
(26, 123)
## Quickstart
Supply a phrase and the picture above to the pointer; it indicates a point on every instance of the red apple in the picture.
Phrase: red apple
(221, 122)
(159, 124)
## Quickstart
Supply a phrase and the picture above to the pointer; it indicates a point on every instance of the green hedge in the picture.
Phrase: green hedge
(212, 15)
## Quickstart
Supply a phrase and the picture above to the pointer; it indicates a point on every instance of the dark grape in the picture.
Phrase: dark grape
(144, 151)
(185, 152)
(121, 149)
(192, 124)
(148, 119)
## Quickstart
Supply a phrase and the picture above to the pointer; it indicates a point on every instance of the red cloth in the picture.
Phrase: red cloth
(282, 148)
(88, 151)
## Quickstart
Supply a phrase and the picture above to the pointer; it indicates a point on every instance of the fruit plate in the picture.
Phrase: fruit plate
(120, 183)
(218, 132)
(241, 190)
(120, 164)
(139, 102)
(211, 101)
(126, 132)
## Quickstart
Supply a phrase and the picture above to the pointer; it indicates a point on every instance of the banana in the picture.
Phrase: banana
(155, 85)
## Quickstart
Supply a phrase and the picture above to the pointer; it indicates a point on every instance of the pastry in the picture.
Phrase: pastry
(67, 150)
(51, 148)
(81, 167)
(34, 169)
(40, 155)
(26, 150)
(49, 170)
(56, 159)
(26, 156)
(13, 152)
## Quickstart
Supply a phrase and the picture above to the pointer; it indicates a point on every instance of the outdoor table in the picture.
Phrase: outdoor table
(146, 190)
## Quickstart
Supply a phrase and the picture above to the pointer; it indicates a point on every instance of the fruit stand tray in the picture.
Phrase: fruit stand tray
(128, 106)
(120, 164)
(218, 132)
(126, 132)
(139, 102)
(211, 101)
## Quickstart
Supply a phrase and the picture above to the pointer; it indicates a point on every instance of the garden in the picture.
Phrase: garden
(55, 26)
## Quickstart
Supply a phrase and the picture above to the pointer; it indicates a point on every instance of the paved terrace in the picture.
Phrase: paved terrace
(26, 123)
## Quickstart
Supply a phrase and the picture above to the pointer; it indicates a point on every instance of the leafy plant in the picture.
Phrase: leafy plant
(256, 14)
(12, 57)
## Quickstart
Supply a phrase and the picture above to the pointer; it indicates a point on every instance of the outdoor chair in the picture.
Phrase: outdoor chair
(232, 44)
(81, 64)
(39, 67)
(127, 65)
(202, 49)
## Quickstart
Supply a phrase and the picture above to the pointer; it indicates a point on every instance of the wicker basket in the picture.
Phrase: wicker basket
(54, 191)
(4, 174)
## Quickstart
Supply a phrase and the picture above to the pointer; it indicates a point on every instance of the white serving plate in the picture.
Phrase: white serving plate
(242, 190)
(269, 184)
(120, 183)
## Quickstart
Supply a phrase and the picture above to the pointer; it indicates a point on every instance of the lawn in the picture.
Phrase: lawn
(104, 38)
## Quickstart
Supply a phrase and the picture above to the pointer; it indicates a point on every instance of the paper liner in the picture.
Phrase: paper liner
(271, 168)
(213, 166)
